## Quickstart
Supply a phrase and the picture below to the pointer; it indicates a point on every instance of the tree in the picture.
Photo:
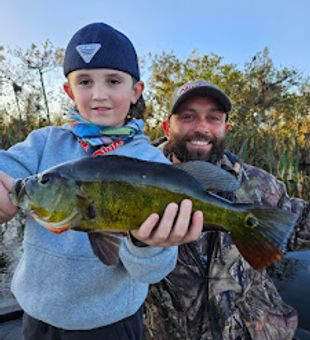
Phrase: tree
(42, 59)
(1, 55)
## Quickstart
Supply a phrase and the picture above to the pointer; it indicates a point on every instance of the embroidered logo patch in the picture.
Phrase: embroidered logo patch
(87, 51)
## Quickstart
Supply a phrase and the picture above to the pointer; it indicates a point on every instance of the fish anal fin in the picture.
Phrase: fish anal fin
(106, 247)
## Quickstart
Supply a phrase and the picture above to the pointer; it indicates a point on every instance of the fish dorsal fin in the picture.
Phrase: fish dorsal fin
(210, 176)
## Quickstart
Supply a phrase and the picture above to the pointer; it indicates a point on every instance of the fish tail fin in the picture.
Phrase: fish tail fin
(265, 243)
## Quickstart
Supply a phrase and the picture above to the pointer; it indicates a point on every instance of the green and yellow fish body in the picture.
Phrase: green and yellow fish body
(117, 194)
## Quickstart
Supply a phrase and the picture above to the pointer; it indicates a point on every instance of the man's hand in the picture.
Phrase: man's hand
(7, 208)
(177, 226)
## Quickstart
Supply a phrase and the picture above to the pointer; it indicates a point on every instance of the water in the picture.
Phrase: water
(11, 236)
(292, 278)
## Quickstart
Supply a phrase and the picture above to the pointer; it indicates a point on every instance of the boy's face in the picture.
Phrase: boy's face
(103, 96)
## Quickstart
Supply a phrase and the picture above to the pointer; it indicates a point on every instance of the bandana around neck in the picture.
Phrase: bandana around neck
(99, 139)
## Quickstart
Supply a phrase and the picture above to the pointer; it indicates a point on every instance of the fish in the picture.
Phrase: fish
(110, 195)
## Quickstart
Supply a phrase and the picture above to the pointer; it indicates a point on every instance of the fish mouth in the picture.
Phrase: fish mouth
(19, 187)
(19, 193)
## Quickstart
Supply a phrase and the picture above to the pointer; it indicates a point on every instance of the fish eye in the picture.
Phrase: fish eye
(44, 179)
(251, 221)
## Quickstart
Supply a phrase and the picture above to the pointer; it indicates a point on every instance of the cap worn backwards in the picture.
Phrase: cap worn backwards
(99, 45)
(199, 88)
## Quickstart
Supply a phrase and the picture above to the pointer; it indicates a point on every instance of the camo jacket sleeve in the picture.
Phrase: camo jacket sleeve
(268, 190)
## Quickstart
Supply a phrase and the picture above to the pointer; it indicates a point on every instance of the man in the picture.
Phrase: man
(214, 293)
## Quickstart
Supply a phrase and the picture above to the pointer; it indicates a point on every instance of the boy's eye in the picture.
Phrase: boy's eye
(114, 81)
(85, 82)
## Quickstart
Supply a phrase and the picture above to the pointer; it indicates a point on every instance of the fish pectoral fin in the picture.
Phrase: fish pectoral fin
(106, 247)
(210, 176)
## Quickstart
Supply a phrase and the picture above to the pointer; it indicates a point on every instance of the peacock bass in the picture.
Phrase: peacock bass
(113, 194)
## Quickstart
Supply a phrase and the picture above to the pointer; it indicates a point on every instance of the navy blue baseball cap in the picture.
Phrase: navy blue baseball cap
(99, 45)
(199, 88)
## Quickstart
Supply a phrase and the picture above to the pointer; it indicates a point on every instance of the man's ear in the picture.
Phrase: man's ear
(68, 90)
(138, 88)
(166, 127)
(227, 127)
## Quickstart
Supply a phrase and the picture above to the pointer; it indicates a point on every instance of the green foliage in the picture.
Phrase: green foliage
(15, 129)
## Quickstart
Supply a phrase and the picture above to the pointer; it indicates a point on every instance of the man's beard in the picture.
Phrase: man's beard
(177, 146)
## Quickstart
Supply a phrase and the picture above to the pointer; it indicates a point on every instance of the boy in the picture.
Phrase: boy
(62, 287)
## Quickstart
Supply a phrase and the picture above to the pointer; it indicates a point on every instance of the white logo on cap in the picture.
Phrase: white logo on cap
(190, 86)
(87, 51)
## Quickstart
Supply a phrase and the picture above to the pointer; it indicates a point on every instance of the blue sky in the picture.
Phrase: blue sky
(233, 29)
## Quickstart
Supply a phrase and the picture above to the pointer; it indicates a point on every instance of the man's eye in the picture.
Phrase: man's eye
(186, 117)
(214, 118)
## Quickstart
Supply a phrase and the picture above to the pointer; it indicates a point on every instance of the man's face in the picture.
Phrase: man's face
(197, 130)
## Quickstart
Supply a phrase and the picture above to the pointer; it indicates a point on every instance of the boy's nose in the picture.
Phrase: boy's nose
(100, 92)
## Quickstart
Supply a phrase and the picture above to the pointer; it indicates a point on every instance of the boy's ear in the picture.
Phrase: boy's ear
(68, 90)
(166, 127)
(138, 88)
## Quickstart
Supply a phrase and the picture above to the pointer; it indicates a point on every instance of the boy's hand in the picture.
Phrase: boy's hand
(177, 226)
(7, 208)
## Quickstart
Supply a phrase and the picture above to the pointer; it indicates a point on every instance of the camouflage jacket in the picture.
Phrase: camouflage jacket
(213, 293)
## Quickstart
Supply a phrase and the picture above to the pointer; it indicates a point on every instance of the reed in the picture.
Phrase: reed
(279, 155)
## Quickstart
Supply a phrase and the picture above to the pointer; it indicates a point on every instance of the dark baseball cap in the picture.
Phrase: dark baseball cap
(199, 88)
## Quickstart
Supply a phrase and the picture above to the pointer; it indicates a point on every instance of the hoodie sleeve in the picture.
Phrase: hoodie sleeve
(23, 158)
(147, 264)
